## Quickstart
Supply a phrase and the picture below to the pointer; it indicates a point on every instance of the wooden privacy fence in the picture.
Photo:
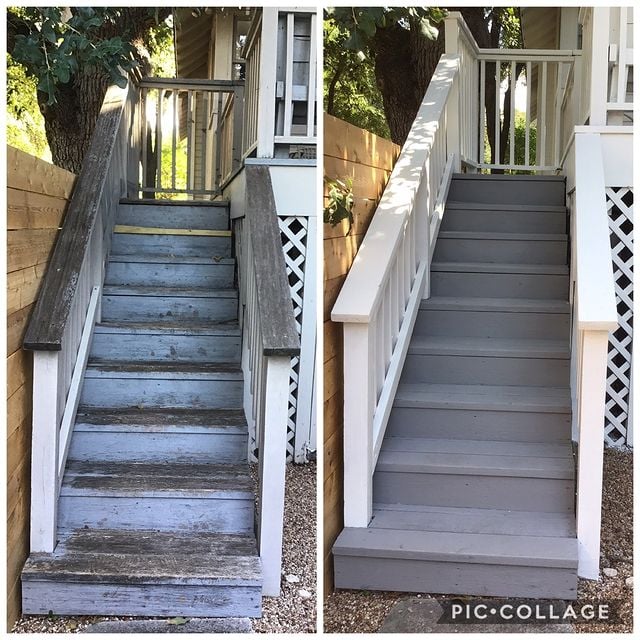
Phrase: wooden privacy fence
(37, 197)
(367, 160)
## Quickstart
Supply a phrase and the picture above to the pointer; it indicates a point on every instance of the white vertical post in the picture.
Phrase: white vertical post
(267, 82)
(306, 378)
(453, 120)
(599, 66)
(592, 382)
(273, 454)
(359, 402)
(44, 451)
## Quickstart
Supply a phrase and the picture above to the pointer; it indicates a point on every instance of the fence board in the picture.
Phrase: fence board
(367, 159)
(37, 196)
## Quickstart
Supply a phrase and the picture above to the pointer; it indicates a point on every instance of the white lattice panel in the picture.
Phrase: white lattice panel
(620, 209)
(293, 230)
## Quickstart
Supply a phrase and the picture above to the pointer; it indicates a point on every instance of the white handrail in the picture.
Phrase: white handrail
(594, 315)
(381, 296)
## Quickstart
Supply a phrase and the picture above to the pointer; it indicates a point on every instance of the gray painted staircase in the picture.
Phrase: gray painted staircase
(156, 508)
(474, 486)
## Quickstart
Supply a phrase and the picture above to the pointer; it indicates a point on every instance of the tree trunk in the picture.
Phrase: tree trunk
(70, 122)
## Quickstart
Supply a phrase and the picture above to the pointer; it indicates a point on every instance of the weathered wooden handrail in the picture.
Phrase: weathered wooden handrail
(49, 318)
(68, 306)
(269, 340)
(379, 300)
(279, 333)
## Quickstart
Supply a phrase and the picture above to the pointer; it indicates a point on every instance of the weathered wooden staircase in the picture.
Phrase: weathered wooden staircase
(473, 492)
(156, 507)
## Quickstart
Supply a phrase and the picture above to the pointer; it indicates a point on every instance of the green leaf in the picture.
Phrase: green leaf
(177, 621)
(427, 29)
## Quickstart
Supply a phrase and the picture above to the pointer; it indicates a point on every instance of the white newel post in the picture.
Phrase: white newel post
(267, 80)
(359, 403)
(44, 451)
(273, 455)
(592, 382)
(599, 66)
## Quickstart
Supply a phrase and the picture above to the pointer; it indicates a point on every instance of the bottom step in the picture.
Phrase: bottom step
(456, 561)
(145, 573)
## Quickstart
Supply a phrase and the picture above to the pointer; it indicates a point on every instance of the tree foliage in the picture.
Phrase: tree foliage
(25, 124)
(73, 54)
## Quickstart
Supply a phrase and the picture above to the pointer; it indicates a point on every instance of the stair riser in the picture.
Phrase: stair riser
(166, 514)
(507, 426)
(499, 285)
(189, 246)
(123, 308)
(511, 191)
(183, 393)
(483, 492)
(397, 574)
(80, 598)
(492, 324)
(180, 217)
(165, 348)
(150, 274)
(501, 251)
(503, 221)
(122, 446)
(447, 369)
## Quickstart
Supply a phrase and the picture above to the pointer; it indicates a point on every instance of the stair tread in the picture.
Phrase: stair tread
(148, 479)
(175, 203)
(483, 206)
(473, 520)
(514, 398)
(179, 328)
(156, 258)
(472, 457)
(134, 366)
(178, 292)
(229, 420)
(527, 305)
(497, 177)
(149, 557)
(494, 235)
(499, 347)
(450, 546)
(493, 267)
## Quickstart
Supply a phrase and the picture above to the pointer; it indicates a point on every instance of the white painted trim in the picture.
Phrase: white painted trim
(388, 393)
(592, 383)
(596, 308)
(73, 396)
(599, 66)
(306, 376)
(44, 451)
(267, 80)
(441, 201)
(273, 454)
(359, 403)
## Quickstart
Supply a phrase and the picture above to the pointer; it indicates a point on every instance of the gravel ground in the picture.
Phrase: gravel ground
(364, 611)
(293, 612)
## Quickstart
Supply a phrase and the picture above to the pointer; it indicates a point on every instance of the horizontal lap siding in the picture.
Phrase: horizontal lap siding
(353, 153)
(37, 197)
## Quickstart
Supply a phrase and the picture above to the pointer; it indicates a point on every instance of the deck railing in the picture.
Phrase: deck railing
(380, 298)
(596, 159)
(188, 136)
(270, 340)
(59, 332)
(488, 123)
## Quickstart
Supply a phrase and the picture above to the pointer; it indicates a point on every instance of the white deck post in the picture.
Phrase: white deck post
(592, 382)
(273, 453)
(44, 451)
(359, 404)
(452, 45)
(599, 66)
(267, 83)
